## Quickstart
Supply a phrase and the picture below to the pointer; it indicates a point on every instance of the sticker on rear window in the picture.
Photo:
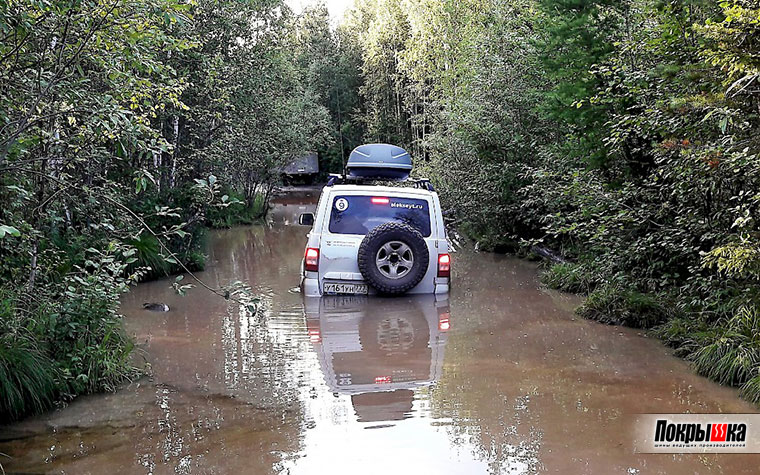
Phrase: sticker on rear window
(341, 204)
(406, 205)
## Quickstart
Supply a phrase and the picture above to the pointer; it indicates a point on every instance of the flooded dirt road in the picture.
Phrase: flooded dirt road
(500, 377)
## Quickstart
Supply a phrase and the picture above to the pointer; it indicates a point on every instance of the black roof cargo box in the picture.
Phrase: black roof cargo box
(379, 161)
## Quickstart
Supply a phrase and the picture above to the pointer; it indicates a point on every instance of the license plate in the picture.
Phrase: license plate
(340, 288)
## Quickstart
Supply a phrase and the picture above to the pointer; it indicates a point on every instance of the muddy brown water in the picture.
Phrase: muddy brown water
(500, 377)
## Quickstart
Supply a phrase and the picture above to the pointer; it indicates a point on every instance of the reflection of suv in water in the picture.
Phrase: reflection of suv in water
(379, 350)
(376, 239)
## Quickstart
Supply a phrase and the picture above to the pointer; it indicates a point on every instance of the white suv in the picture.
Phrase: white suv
(368, 239)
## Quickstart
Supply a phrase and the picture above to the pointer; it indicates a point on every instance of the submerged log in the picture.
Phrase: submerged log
(156, 307)
(547, 253)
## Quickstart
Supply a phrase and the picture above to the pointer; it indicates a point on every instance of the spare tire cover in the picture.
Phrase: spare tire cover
(393, 258)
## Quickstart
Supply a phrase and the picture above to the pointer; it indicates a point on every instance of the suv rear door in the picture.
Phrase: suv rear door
(352, 214)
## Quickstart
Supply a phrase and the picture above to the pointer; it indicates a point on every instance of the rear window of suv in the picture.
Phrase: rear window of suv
(361, 214)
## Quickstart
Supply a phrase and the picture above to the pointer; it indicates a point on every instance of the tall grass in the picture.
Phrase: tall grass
(730, 353)
(617, 305)
(569, 277)
(27, 377)
(751, 389)
(150, 256)
(719, 335)
(726, 350)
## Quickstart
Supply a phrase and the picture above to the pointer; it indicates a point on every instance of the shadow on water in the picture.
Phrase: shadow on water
(500, 377)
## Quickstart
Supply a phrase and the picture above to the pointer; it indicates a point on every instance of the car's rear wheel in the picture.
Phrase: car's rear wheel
(393, 258)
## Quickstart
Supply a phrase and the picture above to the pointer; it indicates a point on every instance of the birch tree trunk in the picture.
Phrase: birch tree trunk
(175, 143)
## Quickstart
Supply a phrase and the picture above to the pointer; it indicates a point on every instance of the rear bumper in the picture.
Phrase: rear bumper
(310, 287)
(442, 285)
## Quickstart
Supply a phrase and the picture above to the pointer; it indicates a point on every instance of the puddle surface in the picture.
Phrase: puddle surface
(500, 377)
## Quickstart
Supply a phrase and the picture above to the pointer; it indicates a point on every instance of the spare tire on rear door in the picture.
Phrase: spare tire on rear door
(393, 258)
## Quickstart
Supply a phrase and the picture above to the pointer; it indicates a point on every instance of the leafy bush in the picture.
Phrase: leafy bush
(87, 338)
(239, 212)
(69, 338)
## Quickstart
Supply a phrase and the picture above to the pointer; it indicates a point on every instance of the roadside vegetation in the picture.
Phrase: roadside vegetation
(127, 128)
(622, 135)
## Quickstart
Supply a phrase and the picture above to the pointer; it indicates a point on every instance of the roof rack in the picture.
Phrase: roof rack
(340, 179)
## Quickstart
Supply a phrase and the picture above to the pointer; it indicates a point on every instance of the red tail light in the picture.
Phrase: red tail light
(383, 380)
(380, 201)
(311, 259)
(444, 265)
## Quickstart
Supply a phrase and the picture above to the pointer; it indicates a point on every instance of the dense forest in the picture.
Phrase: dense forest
(618, 137)
(622, 136)
(127, 128)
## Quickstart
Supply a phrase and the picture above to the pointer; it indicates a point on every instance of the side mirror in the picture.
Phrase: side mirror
(306, 219)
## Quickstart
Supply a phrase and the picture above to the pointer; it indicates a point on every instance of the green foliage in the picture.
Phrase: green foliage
(27, 377)
(578, 36)
(624, 306)
(730, 353)
(623, 134)
(330, 61)
(67, 339)
(119, 122)
(617, 132)
(569, 277)
(252, 104)
(751, 390)
(85, 334)
(680, 332)
(239, 213)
